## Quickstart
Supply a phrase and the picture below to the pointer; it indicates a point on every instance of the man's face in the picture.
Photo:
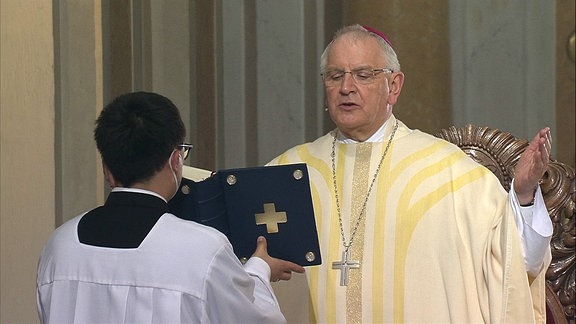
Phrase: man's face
(358, 109)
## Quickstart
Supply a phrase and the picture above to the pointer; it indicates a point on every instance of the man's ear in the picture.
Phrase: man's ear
(109, 176)
(176, 160)
(395, 87)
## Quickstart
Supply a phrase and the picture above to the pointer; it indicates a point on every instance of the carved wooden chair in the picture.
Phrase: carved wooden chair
(500, 151)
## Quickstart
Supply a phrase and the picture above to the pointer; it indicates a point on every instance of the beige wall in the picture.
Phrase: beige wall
(51, 93)
(78, 100)
(27, 151)
(49, 168)
(565, 97)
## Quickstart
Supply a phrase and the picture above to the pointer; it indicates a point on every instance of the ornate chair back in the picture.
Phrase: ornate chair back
(499, 152)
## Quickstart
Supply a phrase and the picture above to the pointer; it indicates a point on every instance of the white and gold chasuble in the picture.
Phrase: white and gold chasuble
(438, 242)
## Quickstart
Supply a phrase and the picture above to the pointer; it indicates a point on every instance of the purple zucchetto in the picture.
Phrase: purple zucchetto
(379, 33)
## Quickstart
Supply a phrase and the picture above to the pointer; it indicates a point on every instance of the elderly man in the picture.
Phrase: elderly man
(411, 229)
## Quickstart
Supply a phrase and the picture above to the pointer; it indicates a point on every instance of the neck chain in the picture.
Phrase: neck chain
(362, 211)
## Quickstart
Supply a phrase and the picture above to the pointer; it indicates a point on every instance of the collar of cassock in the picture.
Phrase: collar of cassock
(377, 137)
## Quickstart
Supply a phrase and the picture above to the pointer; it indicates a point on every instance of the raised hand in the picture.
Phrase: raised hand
(532, 165)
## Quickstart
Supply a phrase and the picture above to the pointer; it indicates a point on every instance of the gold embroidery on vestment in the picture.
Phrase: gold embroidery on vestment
(359, 191)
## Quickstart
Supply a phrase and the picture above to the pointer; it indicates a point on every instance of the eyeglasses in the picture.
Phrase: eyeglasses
(361, 76)
(185, 147)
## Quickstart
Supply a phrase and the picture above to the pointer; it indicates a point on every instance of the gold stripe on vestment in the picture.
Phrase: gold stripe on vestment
(360, 184)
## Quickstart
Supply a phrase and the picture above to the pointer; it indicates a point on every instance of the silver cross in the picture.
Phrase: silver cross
(344, 265)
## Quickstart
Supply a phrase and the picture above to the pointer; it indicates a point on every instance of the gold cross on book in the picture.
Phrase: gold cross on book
(271, 218)
(344, 265)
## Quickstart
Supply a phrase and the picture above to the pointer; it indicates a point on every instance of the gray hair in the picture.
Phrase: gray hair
(359, 32)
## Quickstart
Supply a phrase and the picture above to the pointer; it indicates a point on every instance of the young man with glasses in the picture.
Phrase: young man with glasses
(130, 260)
(411, 229)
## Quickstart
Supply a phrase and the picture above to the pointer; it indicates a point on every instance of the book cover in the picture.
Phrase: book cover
(244, 203)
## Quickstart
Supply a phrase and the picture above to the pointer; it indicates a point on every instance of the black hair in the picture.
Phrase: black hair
(136, 134)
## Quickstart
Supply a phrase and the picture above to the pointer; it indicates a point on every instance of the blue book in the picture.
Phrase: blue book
(272, 201)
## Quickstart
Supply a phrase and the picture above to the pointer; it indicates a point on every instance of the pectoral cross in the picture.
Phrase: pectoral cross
(344, 265)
